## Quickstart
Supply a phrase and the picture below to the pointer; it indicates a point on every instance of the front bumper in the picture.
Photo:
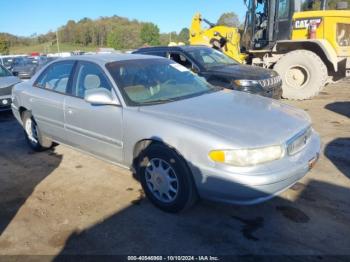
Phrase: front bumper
(271, 92)
(254, 187)
(275, 92)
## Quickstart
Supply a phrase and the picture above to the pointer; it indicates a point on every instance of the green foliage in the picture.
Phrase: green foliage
(50, 48)
(4, 46)
(184, 36)
(150, 34)
(87, 34)
(229, 19)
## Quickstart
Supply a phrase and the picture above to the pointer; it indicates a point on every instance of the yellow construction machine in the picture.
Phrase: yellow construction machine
(307, 48)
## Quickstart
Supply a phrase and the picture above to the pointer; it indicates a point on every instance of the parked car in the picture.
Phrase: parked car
(221, 70)
(7, 61)
(26, 67)
(182, 136)
(7, 81)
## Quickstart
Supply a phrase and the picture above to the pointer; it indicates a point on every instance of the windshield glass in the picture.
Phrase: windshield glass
(209, 57)
(154, 81)
(4, 72)
(21, 61)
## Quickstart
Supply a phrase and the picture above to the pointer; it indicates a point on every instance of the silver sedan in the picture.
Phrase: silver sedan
(182, 137)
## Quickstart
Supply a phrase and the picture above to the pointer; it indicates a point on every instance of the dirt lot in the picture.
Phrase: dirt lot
(65, 202)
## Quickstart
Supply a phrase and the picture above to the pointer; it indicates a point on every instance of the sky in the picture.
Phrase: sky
(26, 17)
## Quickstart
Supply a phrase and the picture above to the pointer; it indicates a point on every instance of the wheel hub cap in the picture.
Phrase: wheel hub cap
(297, 76)
(162, 180)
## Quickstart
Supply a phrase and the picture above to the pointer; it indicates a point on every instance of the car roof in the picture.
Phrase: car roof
(107, 58)
(173, 48)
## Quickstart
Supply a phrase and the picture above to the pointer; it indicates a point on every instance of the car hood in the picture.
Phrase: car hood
(242, 72)
(8, 81)
(243, 119)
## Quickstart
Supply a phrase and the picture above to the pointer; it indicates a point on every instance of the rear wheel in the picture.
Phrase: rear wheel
(166, 179)
(32, 133)
(303, 74)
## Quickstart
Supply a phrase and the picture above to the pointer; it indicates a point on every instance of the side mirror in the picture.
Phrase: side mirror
(100, 96)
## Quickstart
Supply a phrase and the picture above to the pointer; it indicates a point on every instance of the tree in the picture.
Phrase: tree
(4, 46)
(229, 19)
(184, 36)
(150, 34)
(114, 39)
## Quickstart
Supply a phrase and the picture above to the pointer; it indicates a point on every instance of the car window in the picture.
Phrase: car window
(56, 77)
(7, 61)
(153, 81)
(4, 72)
(89, 76)
(209, 57)
(283, 9)
(180, 59)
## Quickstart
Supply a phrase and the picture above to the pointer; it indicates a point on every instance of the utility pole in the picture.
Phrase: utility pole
(58, 44)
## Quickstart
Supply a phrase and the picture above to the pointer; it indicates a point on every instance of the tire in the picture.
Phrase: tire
(33, 135)
(303, 74)
(151, 169)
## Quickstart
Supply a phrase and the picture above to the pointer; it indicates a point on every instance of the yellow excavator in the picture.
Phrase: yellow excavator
(307, 48)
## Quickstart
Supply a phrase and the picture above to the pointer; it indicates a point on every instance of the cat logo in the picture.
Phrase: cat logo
(305, 23)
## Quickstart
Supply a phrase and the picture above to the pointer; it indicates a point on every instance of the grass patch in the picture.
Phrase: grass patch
(46, 48)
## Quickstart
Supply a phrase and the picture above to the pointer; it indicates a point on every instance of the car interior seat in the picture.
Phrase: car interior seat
(91, 82)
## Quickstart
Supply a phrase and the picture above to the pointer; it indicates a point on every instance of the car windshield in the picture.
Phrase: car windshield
(209, 57)
(24, 61)
(4, 72)
(155, 81)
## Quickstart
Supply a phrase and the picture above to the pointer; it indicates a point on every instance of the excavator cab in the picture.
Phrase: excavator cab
(268, 21)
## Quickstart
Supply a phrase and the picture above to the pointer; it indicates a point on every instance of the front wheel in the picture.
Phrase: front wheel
(166, 179)
(33, 135)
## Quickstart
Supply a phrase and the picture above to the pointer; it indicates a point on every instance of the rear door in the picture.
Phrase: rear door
(93, 128)
(47, 98)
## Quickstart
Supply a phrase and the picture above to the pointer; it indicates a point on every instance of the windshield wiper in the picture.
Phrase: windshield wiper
(160, 101)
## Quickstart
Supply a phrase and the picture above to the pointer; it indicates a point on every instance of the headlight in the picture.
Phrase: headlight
(247, 157)
(246, 82)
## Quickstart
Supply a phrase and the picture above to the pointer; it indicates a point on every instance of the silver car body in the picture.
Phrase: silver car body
(193, 127)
